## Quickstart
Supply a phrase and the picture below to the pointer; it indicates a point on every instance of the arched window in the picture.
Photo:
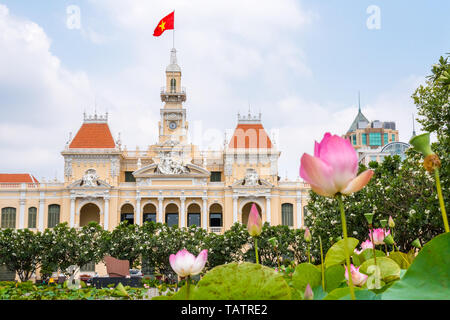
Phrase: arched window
(172, 215)
(173, 85)
(127, 213)
(149, 212)
(53, 215)
(287, 214)
(9, 218)
(215, 215)
(194, 215)
(32, 213)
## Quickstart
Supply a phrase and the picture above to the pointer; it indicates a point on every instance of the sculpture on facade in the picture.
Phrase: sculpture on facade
(170, 165)
(251, 177)
(90, 178)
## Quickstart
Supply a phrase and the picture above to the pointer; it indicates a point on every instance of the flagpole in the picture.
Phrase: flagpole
(173, 38)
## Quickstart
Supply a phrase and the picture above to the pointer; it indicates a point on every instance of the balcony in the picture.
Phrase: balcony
(170, 95)
(217, 230)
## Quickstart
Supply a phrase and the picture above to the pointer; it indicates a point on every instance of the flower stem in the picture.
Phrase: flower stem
(373, 245)
(321, 264)
(309, 254)
(256, 250)
(441, 199)
(347, 257)
(188, 282)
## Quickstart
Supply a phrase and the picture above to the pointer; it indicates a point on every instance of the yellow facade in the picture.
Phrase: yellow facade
(171, 174)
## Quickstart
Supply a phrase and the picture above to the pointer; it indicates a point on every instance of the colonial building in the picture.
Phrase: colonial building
(171, 181)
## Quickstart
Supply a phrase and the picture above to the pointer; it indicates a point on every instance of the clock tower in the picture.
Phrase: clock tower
(173, 125)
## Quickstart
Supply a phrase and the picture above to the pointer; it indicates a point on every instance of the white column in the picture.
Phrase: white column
(235, 209)
(106, 214)
(72, 211)
(299, 211)
(138, 209)
(182, 212)
(205, 213)
(160, 209)
(41, 212)
(22, 214)
(268, 211)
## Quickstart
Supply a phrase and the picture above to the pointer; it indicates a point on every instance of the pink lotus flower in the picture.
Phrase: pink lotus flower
(186, 264)
(358, 278)
(307, 235)
(365, 245)
(333, 168)
(379, 235)
(254, 224)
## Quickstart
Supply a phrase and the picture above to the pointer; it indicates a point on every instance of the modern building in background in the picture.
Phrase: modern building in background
(374, 140)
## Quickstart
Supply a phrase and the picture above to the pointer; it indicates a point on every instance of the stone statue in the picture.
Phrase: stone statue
(251, 177)
(169, 165)
(90, 178)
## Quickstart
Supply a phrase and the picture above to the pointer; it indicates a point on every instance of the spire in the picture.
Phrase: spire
(360, 120)
(414, 130)
(173, 66)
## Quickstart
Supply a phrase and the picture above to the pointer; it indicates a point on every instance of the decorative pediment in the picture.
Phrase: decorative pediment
(79, 184)
(89, 180)
(260, 183)
(157, 171)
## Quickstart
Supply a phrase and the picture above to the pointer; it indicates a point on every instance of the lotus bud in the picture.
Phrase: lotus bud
(391, 222)
(309, 294)
(421, 143)
(369, 217)
(383, 223)
(389, 240)
(416, 243)
(307, 235)
(254, 225)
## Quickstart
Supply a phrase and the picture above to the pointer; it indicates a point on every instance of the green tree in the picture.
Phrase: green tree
(20, 251)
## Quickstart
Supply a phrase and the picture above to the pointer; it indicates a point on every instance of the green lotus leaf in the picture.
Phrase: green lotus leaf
(334, 276)
(428, 277)
(336, 254)
(388, 268)
(245, 281)
(402, 259)
(306, 273)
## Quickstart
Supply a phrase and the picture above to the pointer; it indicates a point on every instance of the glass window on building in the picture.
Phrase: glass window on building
(385, 137)
(172, 219)
(215, 220)
(149, 217)
(32, 214)
(364, 139)
(9, 218)
(127, 217)
(354, 139)
(287, 214)
(393, 137)
(194, 219)
(53, 215)
(216, 176)
(375, 139)
(129, 176)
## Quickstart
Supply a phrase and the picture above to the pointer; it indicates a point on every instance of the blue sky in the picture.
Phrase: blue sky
(301, 63)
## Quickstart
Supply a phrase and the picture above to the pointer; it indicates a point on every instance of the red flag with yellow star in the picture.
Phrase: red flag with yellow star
(166, 23)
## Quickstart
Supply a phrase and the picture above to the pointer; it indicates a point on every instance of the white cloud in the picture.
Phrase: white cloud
(40, 99)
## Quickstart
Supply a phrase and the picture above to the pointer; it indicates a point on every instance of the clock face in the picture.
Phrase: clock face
(172, 125)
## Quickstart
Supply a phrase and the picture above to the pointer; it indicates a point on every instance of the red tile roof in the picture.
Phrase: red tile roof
(250, 136)
(17, 178)
(93, 135)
